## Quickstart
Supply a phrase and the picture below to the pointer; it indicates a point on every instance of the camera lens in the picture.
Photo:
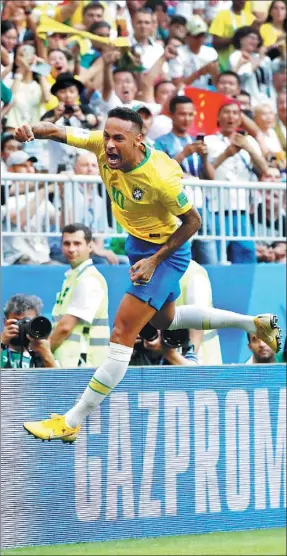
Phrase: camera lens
(148, 332)
(39, 328)
(175, 338)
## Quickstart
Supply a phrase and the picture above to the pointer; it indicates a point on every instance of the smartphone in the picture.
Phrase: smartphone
(28, 53)
(241, 132)
(61, 168)
(200, 137)
(41, 68)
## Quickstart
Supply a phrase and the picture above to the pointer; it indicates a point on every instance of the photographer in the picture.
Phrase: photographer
(69, 112)
(167, 347)
(20, 350)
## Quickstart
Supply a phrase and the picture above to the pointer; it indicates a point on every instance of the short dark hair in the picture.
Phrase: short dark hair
(243, 32)
(98, 25)
(92, 6)
(126, 114)
(77, 227)
(229, 72)
(6, 26)
(5, 138)
(248, 337)
(179, 99)
(178, 20)
(159, 83)
(245, 93)
(123, 70)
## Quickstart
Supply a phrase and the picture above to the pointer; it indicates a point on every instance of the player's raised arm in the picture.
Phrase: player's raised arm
(43, 130)
(73, 136)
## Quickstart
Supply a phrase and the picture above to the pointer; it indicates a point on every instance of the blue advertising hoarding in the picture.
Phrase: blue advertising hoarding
(171, 451)
(243, 288)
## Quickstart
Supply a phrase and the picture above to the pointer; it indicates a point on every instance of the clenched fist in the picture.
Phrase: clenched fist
(24, 133)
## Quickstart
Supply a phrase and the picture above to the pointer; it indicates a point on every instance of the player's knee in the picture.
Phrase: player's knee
(122, 332)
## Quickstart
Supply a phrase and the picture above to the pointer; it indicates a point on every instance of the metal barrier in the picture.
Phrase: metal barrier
(41, 204)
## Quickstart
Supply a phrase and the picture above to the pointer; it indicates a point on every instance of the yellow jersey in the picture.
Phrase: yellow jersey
(224, 25)
(147, 199)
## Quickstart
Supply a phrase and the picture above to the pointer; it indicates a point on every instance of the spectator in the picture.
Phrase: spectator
(274, 30)
(280, 126)
(9, 40)
(143, 43)
(228, 83)
(177, 27)
(233, 157)
(162, 123)
(9, 145)
(15, 355)
(178, 144)
(264, 117)
(224, 26)
(244, 99)
(147, 117)
(192, 155)
(28, 92)
(270, 220)
(57, 41)
(67, 89)
(195, 64)
(261, 353)
(251, 64)
(26, 213)
(101, 29)
(59, 62)
(92, 13)
(80, 337)
(120, 86)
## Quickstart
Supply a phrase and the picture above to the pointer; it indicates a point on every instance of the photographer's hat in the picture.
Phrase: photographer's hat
(65, 80)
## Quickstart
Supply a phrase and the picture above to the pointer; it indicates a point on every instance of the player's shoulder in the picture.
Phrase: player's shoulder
(167, 168)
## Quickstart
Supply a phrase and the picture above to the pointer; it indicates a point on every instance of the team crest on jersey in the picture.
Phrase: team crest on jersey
(137, 194)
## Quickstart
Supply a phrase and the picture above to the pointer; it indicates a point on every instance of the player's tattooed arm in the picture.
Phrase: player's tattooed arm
(191, 223)
(43, 130)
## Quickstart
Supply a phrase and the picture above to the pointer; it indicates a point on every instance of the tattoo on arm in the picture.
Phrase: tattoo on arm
(48, 130)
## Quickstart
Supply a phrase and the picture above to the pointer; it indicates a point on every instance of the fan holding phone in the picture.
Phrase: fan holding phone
(192, 155)
(29, 89)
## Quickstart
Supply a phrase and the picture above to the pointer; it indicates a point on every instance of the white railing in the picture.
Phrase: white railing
(41, 204)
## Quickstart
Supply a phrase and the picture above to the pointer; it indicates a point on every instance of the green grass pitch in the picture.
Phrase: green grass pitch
(263, 542)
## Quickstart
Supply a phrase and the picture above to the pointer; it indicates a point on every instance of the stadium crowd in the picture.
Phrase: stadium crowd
(208, 78)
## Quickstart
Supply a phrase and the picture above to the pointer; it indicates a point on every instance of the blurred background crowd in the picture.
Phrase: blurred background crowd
(208, 78)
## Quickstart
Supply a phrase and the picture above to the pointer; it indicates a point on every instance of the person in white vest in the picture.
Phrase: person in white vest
(195, 289)
(81, 333)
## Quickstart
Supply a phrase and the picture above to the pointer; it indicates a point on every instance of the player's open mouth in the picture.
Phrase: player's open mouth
(113, 159)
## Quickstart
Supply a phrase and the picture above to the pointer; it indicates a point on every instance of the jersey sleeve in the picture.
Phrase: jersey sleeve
(171, 191)
(217, 27)
(85, 139)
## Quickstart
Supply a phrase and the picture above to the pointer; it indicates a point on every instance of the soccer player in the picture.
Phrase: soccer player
(147, 197)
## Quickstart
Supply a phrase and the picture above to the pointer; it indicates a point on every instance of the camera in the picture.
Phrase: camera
(38, 328)
(69, 109)
(170, 338)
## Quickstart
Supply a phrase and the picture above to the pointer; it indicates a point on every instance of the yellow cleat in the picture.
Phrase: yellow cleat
(268, 331)
(52, 429)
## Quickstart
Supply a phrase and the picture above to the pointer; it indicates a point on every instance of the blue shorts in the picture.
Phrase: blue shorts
(164, 284)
